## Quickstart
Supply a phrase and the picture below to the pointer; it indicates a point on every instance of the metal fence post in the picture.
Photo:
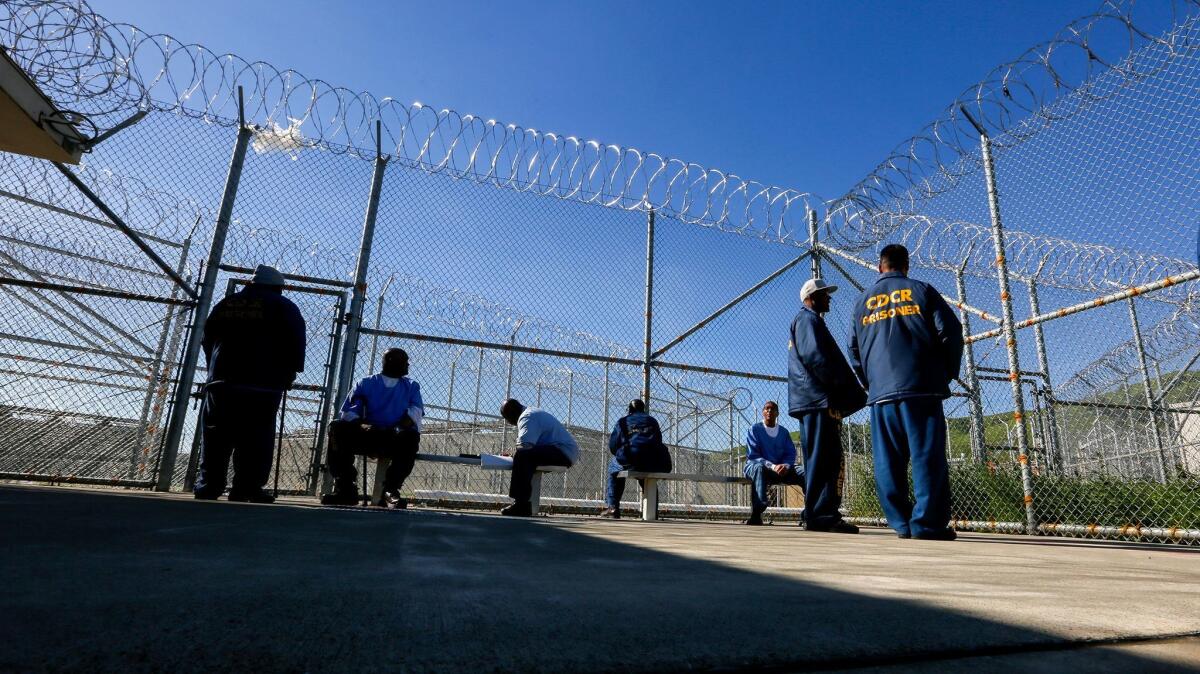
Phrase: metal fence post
(1039, 340)
(1164, 471)
(475, 411)
(570, 396)
(815, 258)
(604, 429)
(359, 293)
(974, 396)
(187, 370)
(649, 306)
(1009, 329)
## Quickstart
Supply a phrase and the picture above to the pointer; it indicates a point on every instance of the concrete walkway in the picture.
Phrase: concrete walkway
(107, 581)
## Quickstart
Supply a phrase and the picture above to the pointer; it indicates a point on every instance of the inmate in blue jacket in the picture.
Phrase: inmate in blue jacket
(906, 341)
(761, 447)
(377, 404)
(255, 337)
(818, 375)
(644, 437)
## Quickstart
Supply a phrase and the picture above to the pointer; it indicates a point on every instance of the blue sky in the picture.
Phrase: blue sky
(809, 95)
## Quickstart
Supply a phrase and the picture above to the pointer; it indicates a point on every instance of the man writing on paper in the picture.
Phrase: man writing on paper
(906, 346)
(821, 390)
(541, 441)
(381, 418)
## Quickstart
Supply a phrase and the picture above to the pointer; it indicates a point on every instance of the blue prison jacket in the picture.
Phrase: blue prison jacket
(761, 447)
(643, 440)
(818, 375)
(255, 337)
(905, 342)
(376, 404)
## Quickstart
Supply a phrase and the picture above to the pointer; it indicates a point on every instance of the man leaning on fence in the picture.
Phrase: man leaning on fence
(636, 444)
(254, 342)
(542, 440)
(821, 390)
(770, 459)
(906, 346)
(381, 418)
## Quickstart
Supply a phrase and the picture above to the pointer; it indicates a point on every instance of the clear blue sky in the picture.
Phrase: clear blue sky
(810, 95)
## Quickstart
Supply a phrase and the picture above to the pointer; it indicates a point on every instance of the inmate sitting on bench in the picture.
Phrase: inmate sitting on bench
(382, 419)
(542, 440)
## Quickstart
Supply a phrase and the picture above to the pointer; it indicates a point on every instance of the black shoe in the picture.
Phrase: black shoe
(755, 520)
(340, 497)
(611, 513)
(937, 535)
(392, 500)
(258, 496)
(903, 534)
(523, 509)
(205, 495)
(840, 527)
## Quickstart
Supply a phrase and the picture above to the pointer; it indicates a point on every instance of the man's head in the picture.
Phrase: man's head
(637, 405)
(267, 277)
(893, 257)
(770, 412)
(511, 410)
(395, 363)
(815, 294)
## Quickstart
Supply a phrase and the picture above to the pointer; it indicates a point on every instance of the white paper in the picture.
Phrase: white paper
(495, 462)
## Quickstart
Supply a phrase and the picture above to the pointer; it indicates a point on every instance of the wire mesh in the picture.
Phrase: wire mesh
(512, 262)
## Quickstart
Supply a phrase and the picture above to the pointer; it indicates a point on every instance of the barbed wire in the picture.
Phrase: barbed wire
(1062, 263)
(109, 70)
(1014, 102)
(1173, 337)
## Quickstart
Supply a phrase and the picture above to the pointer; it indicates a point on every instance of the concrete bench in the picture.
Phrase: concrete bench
(650, 486)
(381, 466)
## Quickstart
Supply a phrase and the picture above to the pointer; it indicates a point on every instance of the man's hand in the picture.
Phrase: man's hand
(366, 426)
(780, 468)
(836, 414)
(406, 422)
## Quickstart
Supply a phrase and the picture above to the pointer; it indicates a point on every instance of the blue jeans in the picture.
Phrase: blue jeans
(911, 429)
(762, 477)
(616, 485)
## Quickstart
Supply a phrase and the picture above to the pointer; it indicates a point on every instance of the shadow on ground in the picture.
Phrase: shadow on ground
(105, 581)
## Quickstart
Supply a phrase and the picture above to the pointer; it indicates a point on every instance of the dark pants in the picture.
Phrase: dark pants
(821, 447)
(525, 464)
(237, 422)
(348, 439)
(762, 477)
(914, 428)
(654, 463)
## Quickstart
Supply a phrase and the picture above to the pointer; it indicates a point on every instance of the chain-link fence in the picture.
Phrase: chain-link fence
(1055, 204)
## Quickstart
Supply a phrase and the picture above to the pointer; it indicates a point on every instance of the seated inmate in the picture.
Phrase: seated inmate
(381, 418)
(542, 440)
(770, 459)
(636, 444)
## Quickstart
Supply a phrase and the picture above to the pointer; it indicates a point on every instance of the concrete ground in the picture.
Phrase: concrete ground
(98, 580)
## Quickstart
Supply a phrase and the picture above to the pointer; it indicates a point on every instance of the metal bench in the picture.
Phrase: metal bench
(381, 466)
(650, 486)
